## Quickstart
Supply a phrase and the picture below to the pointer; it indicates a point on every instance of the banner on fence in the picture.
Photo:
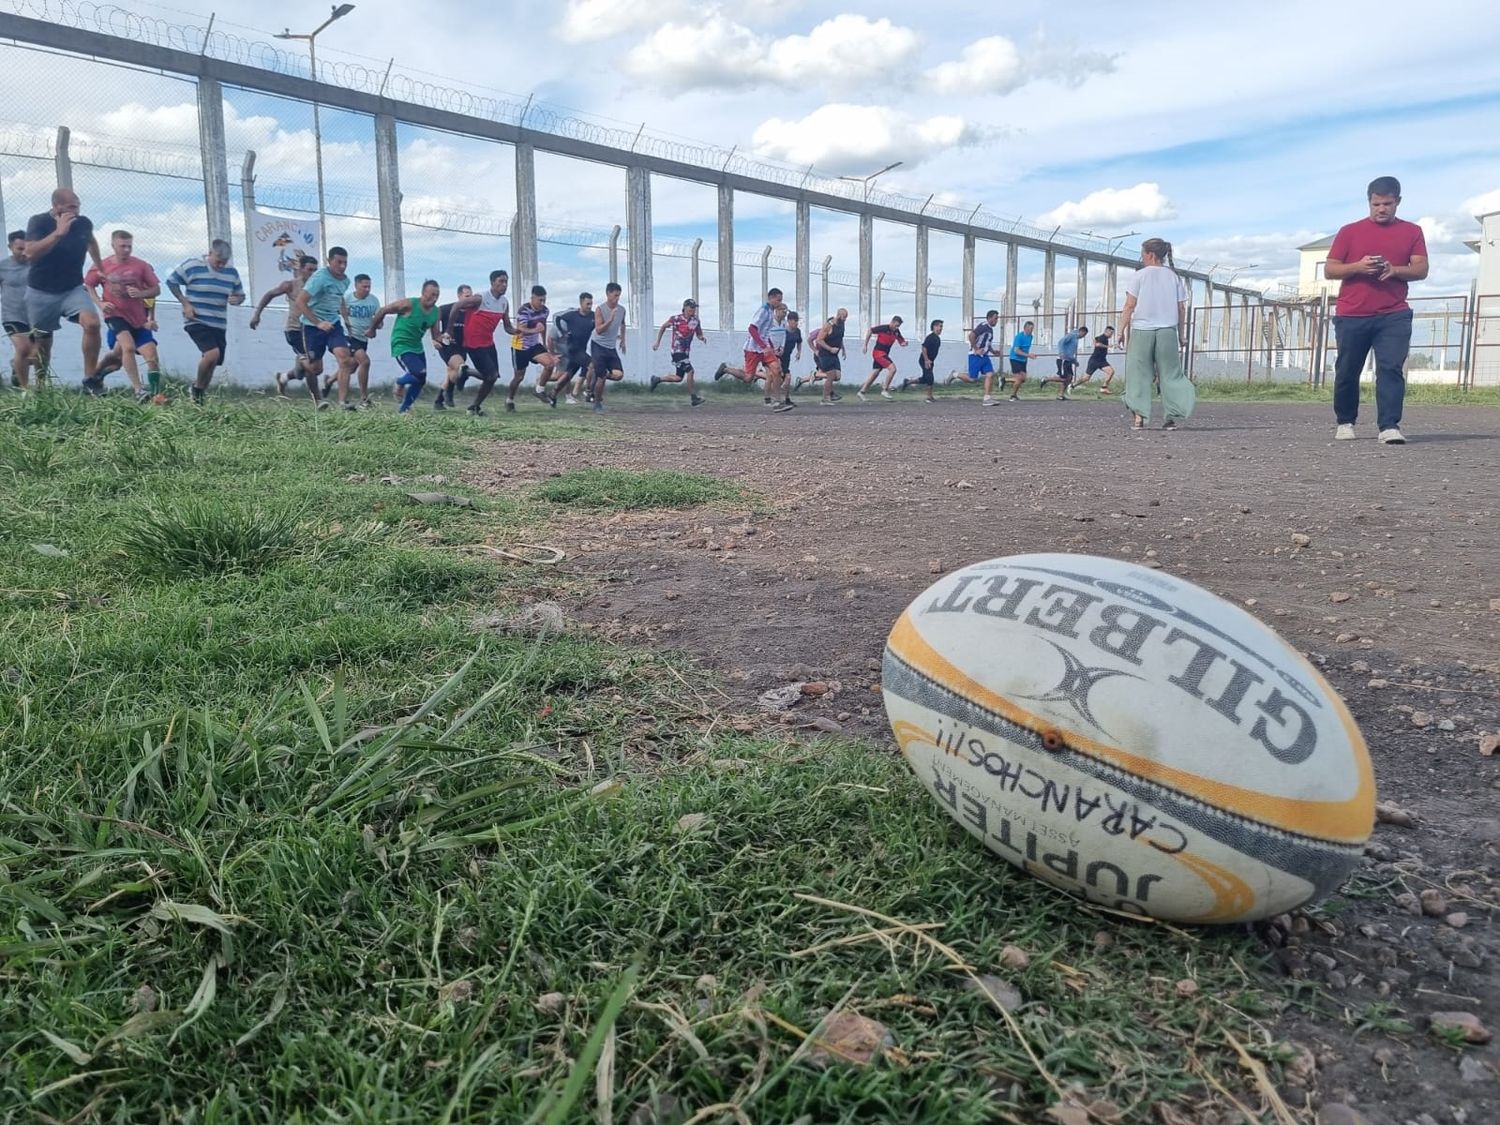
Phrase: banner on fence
(276, 242)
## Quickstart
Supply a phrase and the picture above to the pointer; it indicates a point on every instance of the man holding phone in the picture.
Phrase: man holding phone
(1373, 259)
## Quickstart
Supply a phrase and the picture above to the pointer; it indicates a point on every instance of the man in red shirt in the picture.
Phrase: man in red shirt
(1373, 260)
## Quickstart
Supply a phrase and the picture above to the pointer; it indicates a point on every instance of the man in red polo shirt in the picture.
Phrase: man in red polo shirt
(1374, 259)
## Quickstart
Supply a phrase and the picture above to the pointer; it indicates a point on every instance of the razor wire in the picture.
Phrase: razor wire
(510, 109)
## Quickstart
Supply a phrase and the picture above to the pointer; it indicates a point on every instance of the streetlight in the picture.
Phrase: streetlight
(339, 11)
(866, 180)
(1239, 270)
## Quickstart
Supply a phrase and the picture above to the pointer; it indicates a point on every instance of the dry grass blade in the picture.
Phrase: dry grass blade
(957, 963)
(868, 935)
(1263, 1083)
(604, 1079)
(679, 1025)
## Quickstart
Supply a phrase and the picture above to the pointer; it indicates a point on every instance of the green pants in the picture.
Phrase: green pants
(1151, 354)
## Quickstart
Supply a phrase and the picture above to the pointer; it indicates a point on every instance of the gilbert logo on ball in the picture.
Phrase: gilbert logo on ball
(1130, 737)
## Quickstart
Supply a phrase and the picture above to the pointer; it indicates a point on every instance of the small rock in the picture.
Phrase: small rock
(1395, 816)
(1339, 597)
(1014, 957)
(1377, 684)
(1421, 719)
(1446, 724)
(1385, 1056)
(708, 983)
(1465, 1023)
(1360, 667)
(1337, 1113)
(1323, 960)
(1488, 744)
(1186, 987)
(936, 567)
(998, 989)
(1408, 903)
(816, 687)
(1301, 1067)
(143, 999)
(1495, 605)
(692, 821)
(1458, 919)
(1300, 540)
(1471, 1069)
(1434, 905)
(551, 1002)
(456, 992)
(779, 699)
(963, 486)
(1103, 940)
(851, 1039)
(824, 724)
(1345, 638)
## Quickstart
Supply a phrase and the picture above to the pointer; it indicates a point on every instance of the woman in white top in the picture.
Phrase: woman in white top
(1152, 326)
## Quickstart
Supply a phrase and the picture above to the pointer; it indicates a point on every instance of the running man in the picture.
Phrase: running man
(320, 307)
(29, 348)
(685, 327)
(927, 360)
(451, 328)
(485, 312)
(760, 352)
(828, 352)
(529, 345)
(57, 241)
(1020, 353)
(291, 289)
(981, 349)
(791, 350)
(121, 285)
(206, 287)
(1067, 360)
(415, 317)
(885, 336)
(574, 328)
(1099, 360)
(360, 310)
(607, 344)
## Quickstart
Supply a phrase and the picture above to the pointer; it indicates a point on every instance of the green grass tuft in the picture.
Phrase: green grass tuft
(653, 488)
(200, 536)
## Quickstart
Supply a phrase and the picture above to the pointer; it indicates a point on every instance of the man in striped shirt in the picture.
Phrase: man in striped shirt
(207, 286)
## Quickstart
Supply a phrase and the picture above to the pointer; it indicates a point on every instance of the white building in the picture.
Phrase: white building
(1487, 318)
(1311, 283)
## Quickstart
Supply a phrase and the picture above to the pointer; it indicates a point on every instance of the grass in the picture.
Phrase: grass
(281, 840)
(652, 488)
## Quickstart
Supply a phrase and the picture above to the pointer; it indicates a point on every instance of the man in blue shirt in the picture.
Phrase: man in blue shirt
(1020, 352)
(320, 307)
(360, 309)
(206, 287)
(1067, 360)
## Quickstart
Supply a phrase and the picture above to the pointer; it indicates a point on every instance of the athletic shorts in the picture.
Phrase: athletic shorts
(883, 360)
(526, 356)
(209, 340)
(21, 328)
(1018, 367)
(294, 339)
(829, 361)
(576, 363)
(681, 364)
(316, 343)
(1067, 369)
(415, 365)
(605, 360)
(756, 360)
(46, 311)
(980, 365)
(449, 352)
(118, 326)
(486, 361)
(925, 378)
(357, 345)
(1095, 364)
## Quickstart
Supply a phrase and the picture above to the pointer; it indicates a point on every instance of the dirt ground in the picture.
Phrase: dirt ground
(1378, 562)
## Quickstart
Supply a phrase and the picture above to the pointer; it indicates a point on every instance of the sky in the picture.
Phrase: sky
(1237, 133)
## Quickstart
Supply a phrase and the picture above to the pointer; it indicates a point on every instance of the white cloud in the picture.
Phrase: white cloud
(1144, 202)
(996, 65)
(839, 138)
(1482, 204)
(718, 53)
(587, 21)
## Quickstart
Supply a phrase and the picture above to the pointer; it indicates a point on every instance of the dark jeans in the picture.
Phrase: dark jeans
(1389, 336)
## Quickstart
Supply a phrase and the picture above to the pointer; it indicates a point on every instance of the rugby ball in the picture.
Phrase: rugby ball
(1129, 737)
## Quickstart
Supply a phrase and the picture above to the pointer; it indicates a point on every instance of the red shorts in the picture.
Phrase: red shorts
(756, 360)
(883, 360)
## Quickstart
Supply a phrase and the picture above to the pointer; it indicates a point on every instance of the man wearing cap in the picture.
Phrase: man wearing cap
(684, 326)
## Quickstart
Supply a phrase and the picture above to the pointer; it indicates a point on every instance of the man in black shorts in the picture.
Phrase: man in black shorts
(828, 352)
(29, 347)
(1099, 361)
(927, 360)
(451, 331)
(573, 330)
(685, 327)
(206, 287)
(290, 288)
(529, 345)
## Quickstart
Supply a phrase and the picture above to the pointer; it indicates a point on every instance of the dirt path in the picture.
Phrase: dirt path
(1378, 562)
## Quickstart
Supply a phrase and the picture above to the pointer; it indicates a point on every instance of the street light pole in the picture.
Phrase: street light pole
(867, 180)
(338, 12)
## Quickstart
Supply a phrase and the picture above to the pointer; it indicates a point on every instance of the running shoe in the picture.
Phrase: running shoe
(1169, 424)
(324, 404)
(349, 406)
(1344, 432)
(695, 400)
(196, 396)
(719, 372)
(1015, 398)
(280, 384)
(475, 411)
(599, 408)
(510, 406)
(143, 397)
(861, 396)
(570, 400)
(1392, 436)
(989, 400)
(441, 403)
(886, 394)
(655, 381)
(539, 390)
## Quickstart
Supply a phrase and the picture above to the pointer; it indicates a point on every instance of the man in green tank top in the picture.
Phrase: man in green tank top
(415, 317)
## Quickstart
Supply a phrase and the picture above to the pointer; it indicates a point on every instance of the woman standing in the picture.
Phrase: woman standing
(1152, 326)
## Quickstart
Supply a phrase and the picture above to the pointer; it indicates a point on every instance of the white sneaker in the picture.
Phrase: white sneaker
(570, 400)
(1392, 436)
(539, 391)
(1345, 432)
(886, 394)
(860, 395)
(989, 400)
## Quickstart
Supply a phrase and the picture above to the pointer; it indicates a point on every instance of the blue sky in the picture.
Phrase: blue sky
(1237, 137)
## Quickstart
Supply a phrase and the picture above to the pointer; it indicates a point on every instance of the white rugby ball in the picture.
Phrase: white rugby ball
(1129, 737)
